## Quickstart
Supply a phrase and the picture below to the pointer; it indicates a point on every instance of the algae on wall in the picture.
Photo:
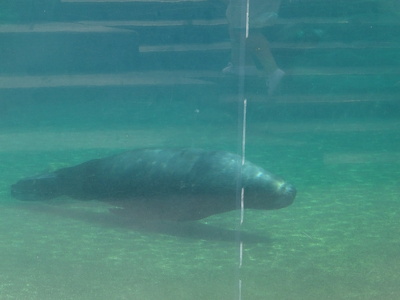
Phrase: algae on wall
(390, 7)
(27, 11)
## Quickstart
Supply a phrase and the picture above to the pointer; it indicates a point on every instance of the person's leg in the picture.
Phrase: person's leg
(237, 40)
(236, 35)
(258, 47)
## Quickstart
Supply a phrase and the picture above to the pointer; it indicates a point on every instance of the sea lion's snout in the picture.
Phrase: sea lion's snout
(287, 193)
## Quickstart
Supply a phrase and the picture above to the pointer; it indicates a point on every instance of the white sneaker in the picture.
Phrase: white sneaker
(248, 70)
(273, 81)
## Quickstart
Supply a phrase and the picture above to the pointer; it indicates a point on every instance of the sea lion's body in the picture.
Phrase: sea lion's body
(173, 184)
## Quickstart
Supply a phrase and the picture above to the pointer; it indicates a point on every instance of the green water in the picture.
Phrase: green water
(339, 240)
(70, 93)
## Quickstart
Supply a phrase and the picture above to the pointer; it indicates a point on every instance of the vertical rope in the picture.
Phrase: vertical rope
(239, 238)
(247, 17)
(243, 158)
(242, 108)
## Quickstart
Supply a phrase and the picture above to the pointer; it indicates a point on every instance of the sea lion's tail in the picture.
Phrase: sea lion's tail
(40, 187)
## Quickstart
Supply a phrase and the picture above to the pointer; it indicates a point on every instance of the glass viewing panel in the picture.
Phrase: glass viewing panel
(199, 149)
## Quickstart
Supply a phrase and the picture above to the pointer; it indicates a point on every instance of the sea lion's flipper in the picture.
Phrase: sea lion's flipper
(40, 187)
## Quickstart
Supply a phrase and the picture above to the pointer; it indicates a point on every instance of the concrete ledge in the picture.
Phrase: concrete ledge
(158, 78)
(66, 47)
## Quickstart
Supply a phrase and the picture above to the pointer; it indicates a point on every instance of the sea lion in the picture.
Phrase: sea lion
(170, 184)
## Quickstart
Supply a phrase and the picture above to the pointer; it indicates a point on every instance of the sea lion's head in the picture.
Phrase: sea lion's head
(264, 190)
